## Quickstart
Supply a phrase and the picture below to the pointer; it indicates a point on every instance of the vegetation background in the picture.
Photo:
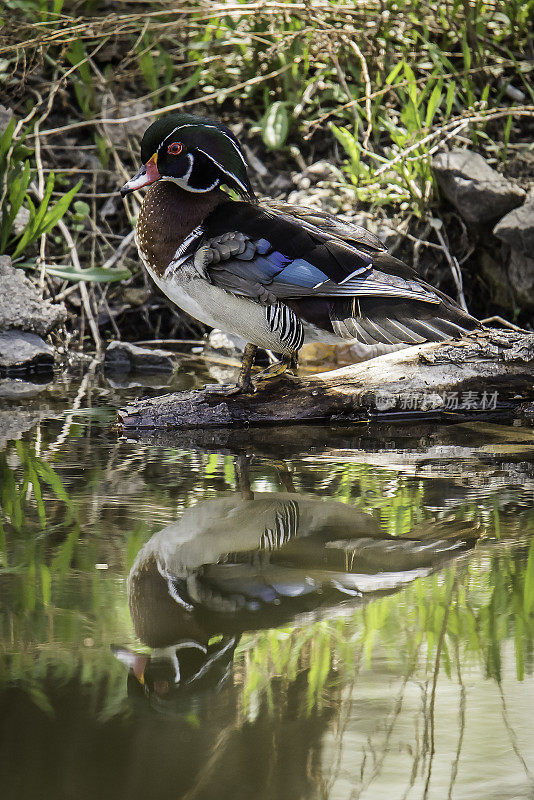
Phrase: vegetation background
(339, 104)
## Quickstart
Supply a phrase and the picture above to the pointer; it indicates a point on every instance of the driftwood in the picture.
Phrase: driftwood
(482, 374)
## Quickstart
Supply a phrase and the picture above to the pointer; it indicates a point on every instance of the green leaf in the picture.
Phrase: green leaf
(76, 54)
(412, 83)
(528, 597)
(46, 582)
(394, 72)
(5, 141)
(190, 84)
(59, 209)
(467, 55)
(275, 126)
(17, 193)
(81, 208)
(33, 228)
(349, 143)
(451, 89)
(51, 477)
(433, 105)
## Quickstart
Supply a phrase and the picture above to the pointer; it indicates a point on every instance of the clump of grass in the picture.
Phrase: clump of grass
(16, 177)
(376, 87)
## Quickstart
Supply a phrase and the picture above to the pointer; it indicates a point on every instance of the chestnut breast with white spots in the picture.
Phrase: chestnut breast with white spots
(167, 215)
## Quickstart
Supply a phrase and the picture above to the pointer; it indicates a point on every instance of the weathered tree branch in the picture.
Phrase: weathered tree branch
(483, 372)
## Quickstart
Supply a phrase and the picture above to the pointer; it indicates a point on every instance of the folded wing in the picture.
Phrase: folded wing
(333, 275)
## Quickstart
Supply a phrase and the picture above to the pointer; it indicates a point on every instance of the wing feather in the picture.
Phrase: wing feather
(328, 272)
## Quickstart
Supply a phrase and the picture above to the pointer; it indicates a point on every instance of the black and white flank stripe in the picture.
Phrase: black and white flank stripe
(285, 527)
(285, 323)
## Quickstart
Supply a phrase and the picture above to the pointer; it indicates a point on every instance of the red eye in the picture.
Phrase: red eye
(174, 149)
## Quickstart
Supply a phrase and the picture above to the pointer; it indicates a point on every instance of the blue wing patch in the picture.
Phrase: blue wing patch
(302, 273)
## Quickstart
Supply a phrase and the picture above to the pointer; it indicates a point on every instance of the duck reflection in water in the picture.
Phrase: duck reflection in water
(261, 560)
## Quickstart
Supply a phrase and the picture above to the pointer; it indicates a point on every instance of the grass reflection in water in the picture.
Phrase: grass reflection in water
(348, 622)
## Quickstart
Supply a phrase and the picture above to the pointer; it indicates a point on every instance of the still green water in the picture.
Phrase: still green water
(279, 613)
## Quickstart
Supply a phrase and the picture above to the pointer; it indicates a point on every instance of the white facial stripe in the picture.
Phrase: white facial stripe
(183, 185)
(183, 182)
(230, 174)
(214, 127)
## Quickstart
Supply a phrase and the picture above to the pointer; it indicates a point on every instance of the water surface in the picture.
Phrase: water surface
(276, 613)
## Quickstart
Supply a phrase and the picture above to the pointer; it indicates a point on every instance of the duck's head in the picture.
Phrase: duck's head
(195, 153)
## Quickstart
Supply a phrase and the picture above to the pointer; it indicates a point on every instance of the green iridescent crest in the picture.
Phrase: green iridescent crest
(206, 136)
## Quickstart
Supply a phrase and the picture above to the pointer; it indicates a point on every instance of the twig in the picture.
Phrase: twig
(439, 648)
(367, 81)
(66, 292)
(76, 403)
(453, 263)
(510, 730)
(505, 323)
(120, 251)
(457, 125)
(173, 107)
(343, 83)
(83, 288)
(199, 342)
(461, 714)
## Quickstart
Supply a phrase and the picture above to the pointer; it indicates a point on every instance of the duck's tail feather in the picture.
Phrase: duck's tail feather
(399, 321)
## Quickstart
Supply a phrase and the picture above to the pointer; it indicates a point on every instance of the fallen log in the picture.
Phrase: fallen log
(484, 373)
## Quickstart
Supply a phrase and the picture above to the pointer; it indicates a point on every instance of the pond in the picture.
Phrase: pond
(334, 612)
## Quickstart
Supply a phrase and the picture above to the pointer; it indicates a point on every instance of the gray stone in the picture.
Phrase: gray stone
(517, 227)
(142, 380)
(521, 274)
(126, 357)
(387, 234)
(497, 279)
(6, 115)
(479, 192)
(21, 220)
(119, 133)
(14, 422)
(321, 171)
(17, 389)
(226, 344)
(21, 305)
(21, 351)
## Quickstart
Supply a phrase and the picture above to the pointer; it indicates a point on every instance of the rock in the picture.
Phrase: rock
(109, 208)
(6, 116)
(21, 351)
(330, 356)
(280, 185)
(21, 305)
(254, 162)
(126, 357)
(21, 220)
(318, 354)
(322, 170)
(16, 389)
(135, 296)
(357, 352)
(387, 234)
(521, 274)
(226, 344)
(119, 132)
(517, 227)
(14, 422)
(479, 192)
(496, 277)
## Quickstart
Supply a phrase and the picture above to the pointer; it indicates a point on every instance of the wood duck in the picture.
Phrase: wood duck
(275, 274)
(259, 560)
